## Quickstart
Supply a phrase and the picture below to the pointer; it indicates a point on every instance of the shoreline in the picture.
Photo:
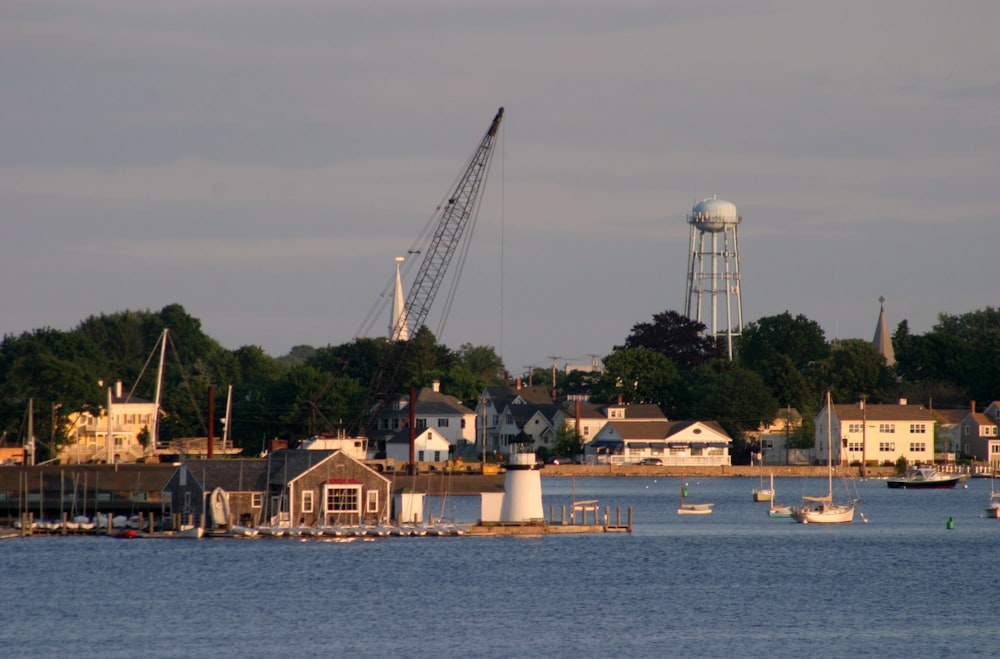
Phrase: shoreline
(467, 483)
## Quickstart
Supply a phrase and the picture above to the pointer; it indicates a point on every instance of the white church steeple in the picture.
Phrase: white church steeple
(398, 331)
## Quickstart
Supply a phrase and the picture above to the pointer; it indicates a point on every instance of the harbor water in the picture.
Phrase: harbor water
(733, 583)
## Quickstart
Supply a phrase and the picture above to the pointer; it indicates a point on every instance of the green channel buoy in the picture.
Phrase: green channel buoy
(951, 523)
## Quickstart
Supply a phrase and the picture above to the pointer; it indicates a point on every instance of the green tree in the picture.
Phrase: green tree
(677, 337)
(737, 399)
(638, 375)
(798, 338)
(856, 369)
(567, 442)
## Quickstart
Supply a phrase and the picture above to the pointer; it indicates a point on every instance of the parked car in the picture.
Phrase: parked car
(651, 461)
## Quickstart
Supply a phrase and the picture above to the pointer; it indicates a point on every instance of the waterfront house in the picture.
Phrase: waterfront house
(286, 488)
(584, 419)
(434, 409)
(428, 446)
(979, 434)
(527, 419)
(491, 405)
(774, 438)
(675, 443)
(125, 437)
(878, 433)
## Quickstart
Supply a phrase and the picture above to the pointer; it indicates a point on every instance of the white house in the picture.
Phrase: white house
(131, 421)
(875, 433)
(428, 446)
(587, 419)
(490, 409)
(676, 443)
(441, 412)
(535, 421)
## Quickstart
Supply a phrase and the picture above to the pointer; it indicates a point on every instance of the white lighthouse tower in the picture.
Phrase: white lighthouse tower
(714, 269)
(522, 499)
(398, 330)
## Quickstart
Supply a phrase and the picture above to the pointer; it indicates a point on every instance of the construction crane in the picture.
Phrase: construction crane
(453, 218)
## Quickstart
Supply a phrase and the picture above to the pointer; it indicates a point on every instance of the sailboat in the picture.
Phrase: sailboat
(822, 510)
(692, 508)
(992, 511)
(776, 509)
(764, 494)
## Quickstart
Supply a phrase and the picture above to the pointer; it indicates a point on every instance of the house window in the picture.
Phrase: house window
(187, 503)
(463, 424)
(343, 499)
(442, 423)
(855, 446)
(421, 424)
(994, 448)
(371, 501)
(918, 428)
(586, 431)
(854, 427)
(395, 423)
(917, 447)
(420, 456)
(887, 428)
(965, 430)
(307, 501)
(256, 500)
(887, 447)
(437, 456)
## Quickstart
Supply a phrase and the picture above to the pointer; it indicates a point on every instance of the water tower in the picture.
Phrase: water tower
(714, 268)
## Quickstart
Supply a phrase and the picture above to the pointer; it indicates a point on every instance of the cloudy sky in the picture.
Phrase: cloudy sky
(262, 163)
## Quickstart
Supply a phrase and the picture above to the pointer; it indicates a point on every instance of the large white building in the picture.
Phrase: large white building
(880, 434)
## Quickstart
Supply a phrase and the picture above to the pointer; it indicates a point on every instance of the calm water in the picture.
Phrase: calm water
(732, 583)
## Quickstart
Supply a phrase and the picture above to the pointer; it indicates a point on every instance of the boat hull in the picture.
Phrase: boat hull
(942, 483)
(826, 514)
(695, 509)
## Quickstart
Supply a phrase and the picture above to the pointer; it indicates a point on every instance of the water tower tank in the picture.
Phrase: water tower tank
(713, 215)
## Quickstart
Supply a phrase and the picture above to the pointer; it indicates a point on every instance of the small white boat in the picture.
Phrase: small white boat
(692, 508)
(695, 509)
(777, 510)
(764, 494)
(992, 511)
(190, 531)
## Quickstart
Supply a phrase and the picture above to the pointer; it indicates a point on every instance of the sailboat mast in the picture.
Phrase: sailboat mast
(829, 447)
(30, 442)
(109, 440)
(154, 438)
(229, 418)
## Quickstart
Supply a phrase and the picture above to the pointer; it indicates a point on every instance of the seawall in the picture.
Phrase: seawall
(463, 483)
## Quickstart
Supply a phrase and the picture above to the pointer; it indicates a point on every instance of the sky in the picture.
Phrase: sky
(263, 163)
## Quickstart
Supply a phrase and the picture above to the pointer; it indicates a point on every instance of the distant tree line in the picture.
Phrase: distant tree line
(781, 362)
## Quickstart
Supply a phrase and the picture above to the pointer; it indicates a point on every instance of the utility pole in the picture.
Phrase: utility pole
(554, 373)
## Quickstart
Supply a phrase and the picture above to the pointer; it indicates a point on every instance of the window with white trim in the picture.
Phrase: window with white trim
(307, 501)
(371, 501)
(343, 499)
